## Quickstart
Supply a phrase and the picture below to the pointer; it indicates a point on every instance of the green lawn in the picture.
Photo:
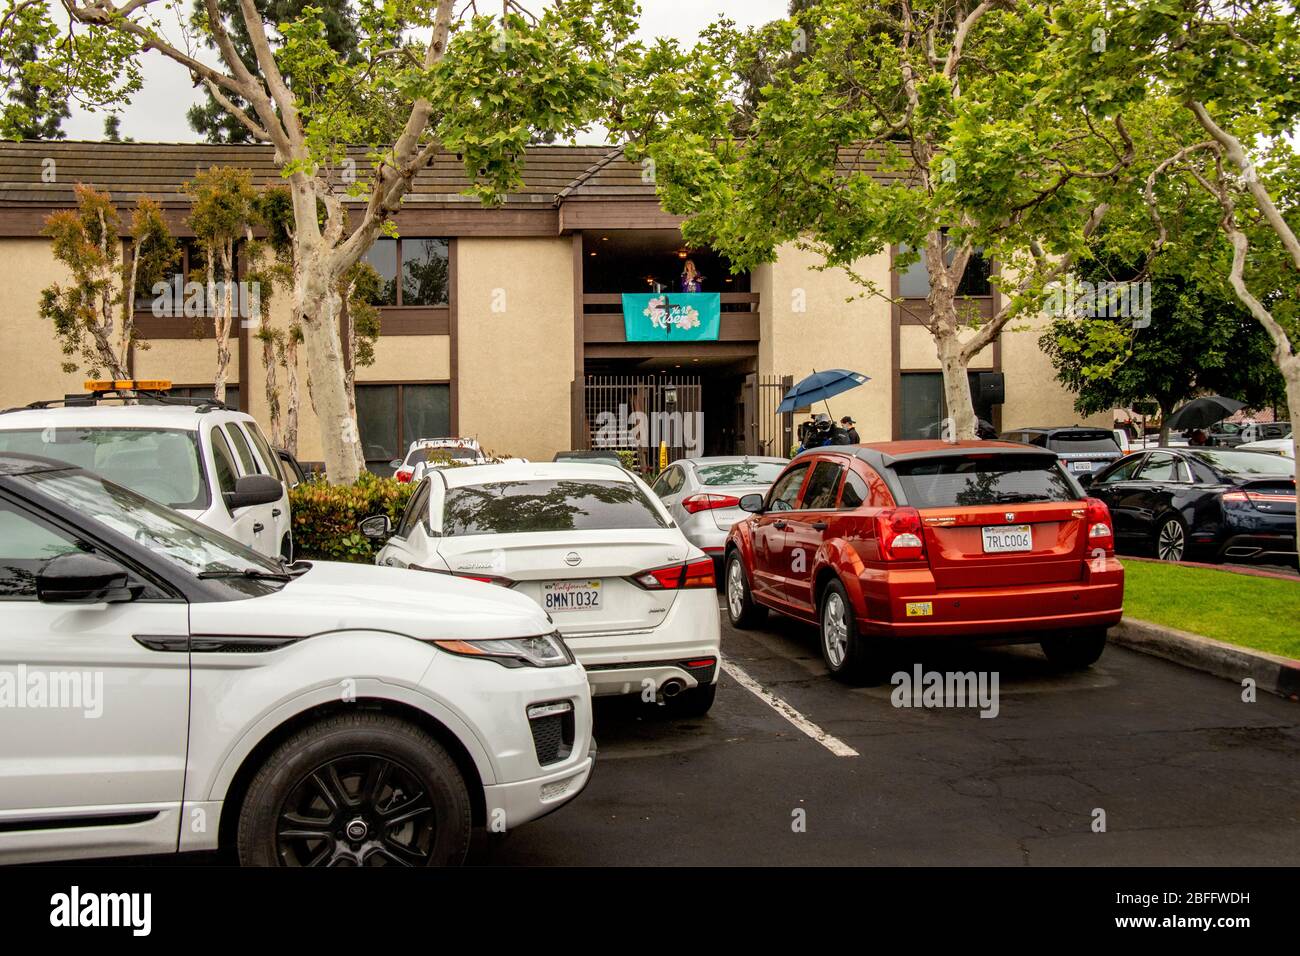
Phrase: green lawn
(1263, 613)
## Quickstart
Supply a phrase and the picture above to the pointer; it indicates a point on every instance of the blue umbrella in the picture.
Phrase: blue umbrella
(818, 387)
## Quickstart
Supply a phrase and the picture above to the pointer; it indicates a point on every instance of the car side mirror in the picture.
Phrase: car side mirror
(253, 490)
(81, 578)
(1084, 480)
(753, 503)
(376, 527)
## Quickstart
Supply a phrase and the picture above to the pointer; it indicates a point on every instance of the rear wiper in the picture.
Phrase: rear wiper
(1013, 498)
(254, 573)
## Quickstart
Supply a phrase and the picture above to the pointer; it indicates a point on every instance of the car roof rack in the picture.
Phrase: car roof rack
(88, 399)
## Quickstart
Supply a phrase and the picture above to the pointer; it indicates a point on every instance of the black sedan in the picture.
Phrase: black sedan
(1207, 504)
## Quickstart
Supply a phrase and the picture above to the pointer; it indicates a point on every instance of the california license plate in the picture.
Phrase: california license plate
(1081, 466)
(571, 596)
(1001, 539)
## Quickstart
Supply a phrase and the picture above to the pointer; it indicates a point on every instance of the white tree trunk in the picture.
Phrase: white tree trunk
(961, 423)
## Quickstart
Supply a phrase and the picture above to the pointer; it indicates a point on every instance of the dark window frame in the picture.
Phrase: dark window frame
(399, 420)
(398, 294)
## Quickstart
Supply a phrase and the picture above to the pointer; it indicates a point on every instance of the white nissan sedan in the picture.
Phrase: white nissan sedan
(164, 688)
(593, 547)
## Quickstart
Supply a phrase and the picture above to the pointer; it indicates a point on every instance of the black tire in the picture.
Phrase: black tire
(330, 776)
(843, 649)
(692, 703)
(742, 611)
(1170, 542)
(1075, 650)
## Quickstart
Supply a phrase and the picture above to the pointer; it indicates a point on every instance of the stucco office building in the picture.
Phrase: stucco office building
(506, 323)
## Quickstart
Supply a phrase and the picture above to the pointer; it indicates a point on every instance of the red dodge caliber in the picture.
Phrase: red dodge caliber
(986, 540)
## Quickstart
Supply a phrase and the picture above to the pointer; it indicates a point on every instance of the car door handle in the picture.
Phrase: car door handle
(819, 525)
(257, 527)
(275, 512)
(778, 525)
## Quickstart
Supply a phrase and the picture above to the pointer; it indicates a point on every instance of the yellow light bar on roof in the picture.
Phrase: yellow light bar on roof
(128, 385)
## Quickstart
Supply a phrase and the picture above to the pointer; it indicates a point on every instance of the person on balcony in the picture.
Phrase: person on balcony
(692, 281)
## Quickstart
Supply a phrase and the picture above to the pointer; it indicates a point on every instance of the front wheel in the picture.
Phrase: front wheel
(356, 789)
(1171, 539)
(1075, 651)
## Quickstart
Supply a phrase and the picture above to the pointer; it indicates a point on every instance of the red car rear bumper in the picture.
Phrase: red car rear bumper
(1095, 601)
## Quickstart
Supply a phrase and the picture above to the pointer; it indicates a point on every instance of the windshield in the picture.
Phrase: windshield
(1083, 442)
(435, 454)
(740, 473)
(159, 463)
(1247, 463)
(993, 480)
(504, 507)
(184, 542)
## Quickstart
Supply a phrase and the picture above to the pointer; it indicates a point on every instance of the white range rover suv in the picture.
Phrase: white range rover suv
(197, 456)
(163, 689)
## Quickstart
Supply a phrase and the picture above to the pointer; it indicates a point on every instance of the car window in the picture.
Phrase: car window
(854, 494)
(983, 480)
(509, 507)
(1247, 462)
(823, 484)
(240, 444)
(223, 463)
(740, 473)
(415, 511)
(268, 462)
(1075, 442)
(660, 487)
(782, 495)
(162, 464)
(1160, 468)
(674, 480)
(26, 543)
(1123, 471)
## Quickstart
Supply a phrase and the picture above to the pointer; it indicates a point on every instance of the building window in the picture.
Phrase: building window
(205, 391)
(390, 417)
(424, 271)
(188, 282)
(924, 408)
(914, 281)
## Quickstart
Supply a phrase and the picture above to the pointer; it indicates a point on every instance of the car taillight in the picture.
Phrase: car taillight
(1253, 498)
(899, 531)
(696, 503)
(675, 577)
(1101, 533)
(403, 475)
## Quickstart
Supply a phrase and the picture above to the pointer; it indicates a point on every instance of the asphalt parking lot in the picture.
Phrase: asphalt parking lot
(1185, 771)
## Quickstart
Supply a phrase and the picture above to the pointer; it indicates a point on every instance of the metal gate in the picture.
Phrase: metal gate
(638, 412)
(767, 432)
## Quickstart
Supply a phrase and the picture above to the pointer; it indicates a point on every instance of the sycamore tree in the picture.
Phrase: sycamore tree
(93, 314)
(919, 125)
(478, 86)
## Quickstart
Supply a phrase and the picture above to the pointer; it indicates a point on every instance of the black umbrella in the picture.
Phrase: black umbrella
(1202, 412)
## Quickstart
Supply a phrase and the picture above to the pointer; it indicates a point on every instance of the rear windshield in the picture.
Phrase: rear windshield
(740, 473)
(994, 480)
(161, 464)
(1247, 462)
(1083, 442)
(507, 507)
(442, 454)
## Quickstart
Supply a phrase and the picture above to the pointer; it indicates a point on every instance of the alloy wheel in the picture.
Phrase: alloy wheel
(835, 630)
(1172, 541)
(358, 810)
(735, 588)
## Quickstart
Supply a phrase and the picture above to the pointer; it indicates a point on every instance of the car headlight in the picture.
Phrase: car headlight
(545, 650)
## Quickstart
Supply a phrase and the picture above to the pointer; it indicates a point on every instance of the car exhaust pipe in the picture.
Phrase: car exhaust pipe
(672, 687)
(1242, 551)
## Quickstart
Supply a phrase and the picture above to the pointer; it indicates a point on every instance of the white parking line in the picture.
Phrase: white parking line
(836, 746)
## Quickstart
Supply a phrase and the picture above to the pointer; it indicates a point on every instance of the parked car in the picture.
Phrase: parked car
(973, 540)
(1207, 504)
(198, 456)
(1264, 431)
(293, 472)
(323, 714)
(1275, 446)
(1225, 435)
(434, 450)
(1081, 450)
(703, 496)
(1122, 440)
(593, 547)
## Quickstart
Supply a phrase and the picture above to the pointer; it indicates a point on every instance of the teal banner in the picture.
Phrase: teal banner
(672, 316)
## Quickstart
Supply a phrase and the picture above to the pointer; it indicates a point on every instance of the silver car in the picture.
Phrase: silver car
(703, 495)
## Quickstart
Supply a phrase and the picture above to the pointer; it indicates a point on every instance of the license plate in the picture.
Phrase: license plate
(1001, 539)
(1081, 466)
(571, 596)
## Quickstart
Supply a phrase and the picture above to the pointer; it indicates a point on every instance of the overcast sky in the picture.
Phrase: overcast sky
(157, 114)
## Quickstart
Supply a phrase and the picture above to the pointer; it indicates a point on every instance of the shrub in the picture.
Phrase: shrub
(325, 516)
